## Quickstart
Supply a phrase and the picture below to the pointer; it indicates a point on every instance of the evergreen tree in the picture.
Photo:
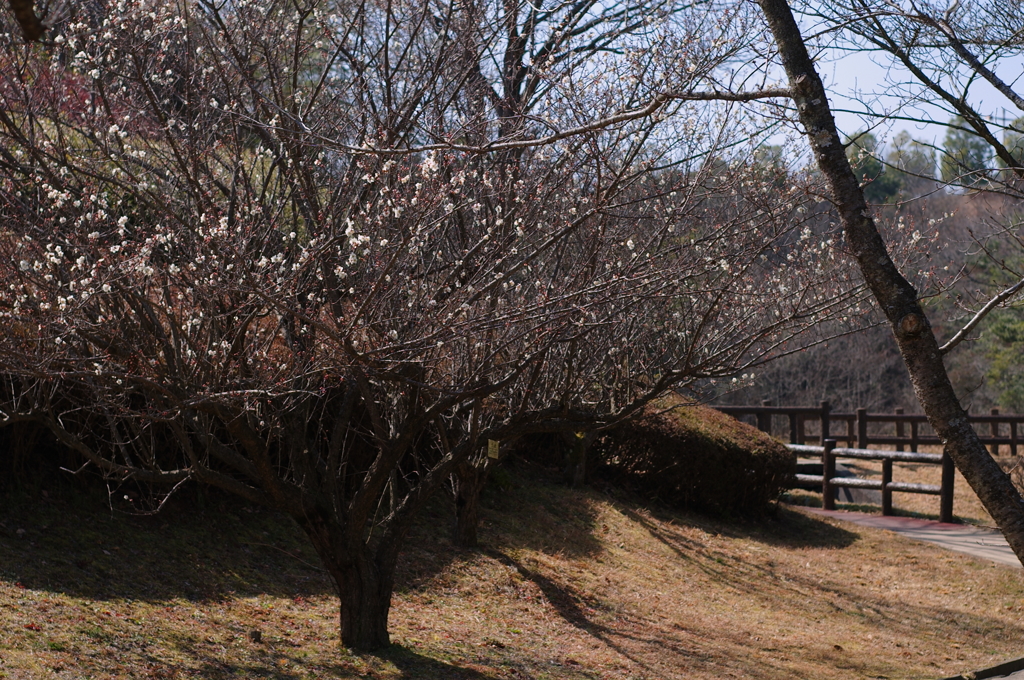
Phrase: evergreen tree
(879, 186)
(913, 162)
(1003, 343)
(966, 156)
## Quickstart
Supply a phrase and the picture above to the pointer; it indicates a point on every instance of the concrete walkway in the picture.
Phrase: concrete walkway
(987, 544)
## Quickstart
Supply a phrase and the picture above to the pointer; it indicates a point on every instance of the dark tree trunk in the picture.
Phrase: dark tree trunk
(894, 294)
(576, 459)
(365, 591)
(469, 484)
(25, 13)
(364, 579)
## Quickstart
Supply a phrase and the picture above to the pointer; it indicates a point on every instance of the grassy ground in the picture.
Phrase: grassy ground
(571, 584)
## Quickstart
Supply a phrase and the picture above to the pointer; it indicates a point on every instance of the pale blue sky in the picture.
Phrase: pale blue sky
(850, 73)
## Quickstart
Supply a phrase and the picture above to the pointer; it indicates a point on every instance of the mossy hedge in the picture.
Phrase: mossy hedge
(695, 457)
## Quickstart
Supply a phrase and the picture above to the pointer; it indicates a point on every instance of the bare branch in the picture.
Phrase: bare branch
(646, 111)
(962, 334)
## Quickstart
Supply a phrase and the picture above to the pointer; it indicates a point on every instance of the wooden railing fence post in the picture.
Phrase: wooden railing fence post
(826, 408)
(764, 420)
(828, 471)
(862, 428)
(899, 429)
(886, 491)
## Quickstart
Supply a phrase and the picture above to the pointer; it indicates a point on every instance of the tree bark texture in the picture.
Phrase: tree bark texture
(469, 484)
(364, 578)
(894, 294)
(31, 27)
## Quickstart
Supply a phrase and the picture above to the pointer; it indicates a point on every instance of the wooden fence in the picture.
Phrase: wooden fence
(860, 428)
(863, 429)
(829, 481)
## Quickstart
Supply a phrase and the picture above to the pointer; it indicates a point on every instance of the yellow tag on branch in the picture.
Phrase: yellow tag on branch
(493, 448)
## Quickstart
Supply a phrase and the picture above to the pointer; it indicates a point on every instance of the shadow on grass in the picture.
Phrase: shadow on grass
(792, 530)
(524, 506)
(577, 608)
(789, 531)
(535, 510)
(570, 606)
(414, 666)
(814, 501)
(762, 584)
(409, 664)
(786, 528)
(205, 546)
(199, 548)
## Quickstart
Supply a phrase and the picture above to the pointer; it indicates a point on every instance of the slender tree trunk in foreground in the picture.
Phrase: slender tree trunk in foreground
(25, 13)
(894, 294)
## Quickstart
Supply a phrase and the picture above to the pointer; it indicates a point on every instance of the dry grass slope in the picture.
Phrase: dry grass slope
(572, 584)
(697, 458)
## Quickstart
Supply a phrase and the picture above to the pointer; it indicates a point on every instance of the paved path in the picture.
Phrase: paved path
(984, 543)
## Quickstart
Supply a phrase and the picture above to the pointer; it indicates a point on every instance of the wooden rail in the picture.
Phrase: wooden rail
(860, 430)
(828, 480)
(859, 434)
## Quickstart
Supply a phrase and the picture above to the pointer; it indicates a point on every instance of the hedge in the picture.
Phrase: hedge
(695, 457)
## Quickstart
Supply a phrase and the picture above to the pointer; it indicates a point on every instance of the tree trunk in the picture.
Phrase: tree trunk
(365, 603)
(576, 459)
(364, 580)
(469, 484)
(894, 294)
(25, 13)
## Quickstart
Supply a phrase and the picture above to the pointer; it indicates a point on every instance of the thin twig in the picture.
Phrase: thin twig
(982, 313)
